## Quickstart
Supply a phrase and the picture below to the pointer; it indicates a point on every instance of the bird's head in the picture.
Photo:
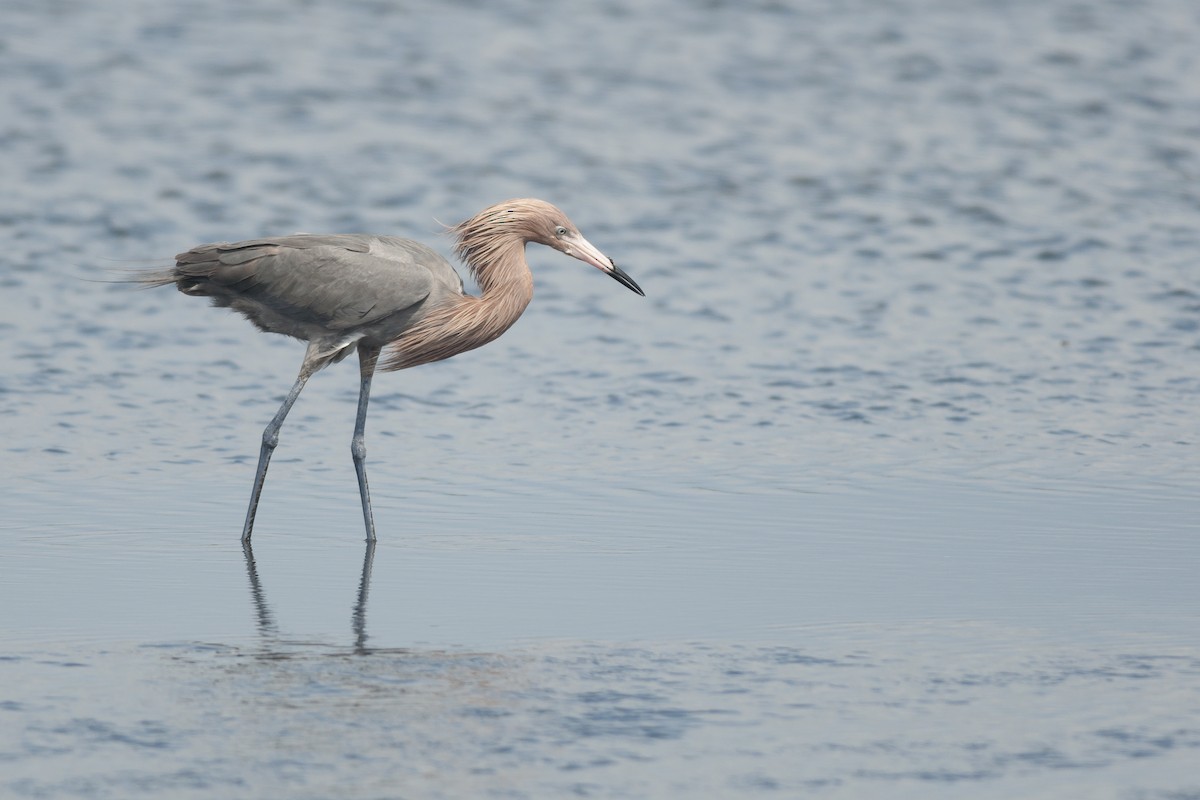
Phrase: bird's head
(537, 221)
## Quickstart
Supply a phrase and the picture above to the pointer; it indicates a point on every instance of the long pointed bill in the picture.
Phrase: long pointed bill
(585, 251)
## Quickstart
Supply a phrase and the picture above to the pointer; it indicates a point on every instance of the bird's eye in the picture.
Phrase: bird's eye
(560, 231)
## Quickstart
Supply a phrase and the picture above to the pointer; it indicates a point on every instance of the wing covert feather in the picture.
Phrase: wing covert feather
(338, 281)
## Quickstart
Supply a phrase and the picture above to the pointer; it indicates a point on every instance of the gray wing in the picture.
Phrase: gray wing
(336, 282)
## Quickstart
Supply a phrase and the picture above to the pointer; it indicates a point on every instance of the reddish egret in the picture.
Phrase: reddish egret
(354, 291)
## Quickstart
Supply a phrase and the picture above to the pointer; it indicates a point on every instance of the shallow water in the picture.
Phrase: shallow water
(906, 640)
(886, 488)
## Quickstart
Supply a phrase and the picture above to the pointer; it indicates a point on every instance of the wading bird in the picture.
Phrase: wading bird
(380, 295)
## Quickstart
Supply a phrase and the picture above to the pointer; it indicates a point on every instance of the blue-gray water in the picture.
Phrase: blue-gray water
(886, 489)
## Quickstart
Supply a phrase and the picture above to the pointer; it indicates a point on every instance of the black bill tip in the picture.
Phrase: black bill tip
(622, 278)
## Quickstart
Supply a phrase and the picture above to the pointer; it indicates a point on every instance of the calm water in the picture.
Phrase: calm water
(887, 488)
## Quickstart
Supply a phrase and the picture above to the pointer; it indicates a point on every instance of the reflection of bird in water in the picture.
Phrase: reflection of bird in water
(266, 621)
(344, 292)
(359, 620)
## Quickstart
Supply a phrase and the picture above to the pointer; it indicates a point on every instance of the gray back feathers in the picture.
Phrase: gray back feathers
(318, 286)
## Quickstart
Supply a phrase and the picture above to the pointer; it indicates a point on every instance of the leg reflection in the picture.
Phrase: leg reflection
(359, 620)
(266, 621)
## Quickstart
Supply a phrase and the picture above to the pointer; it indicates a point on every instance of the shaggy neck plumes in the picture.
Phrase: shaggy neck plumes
(497, 263)
(492, 244)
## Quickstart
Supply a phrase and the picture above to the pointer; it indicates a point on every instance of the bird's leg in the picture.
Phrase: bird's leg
(368, 355)
(270, 437)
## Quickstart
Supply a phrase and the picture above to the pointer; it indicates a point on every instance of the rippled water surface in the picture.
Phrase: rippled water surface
(887, 488)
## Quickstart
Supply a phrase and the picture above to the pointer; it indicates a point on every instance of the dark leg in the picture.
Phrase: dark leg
(270, 438)
(368, 355)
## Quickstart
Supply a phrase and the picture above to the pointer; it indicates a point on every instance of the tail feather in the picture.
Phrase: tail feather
(150, 278)
(144, 278)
